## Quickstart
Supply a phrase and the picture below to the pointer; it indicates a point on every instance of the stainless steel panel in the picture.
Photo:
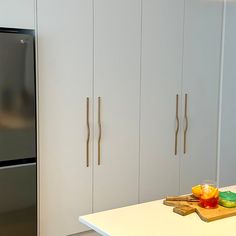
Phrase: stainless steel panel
(17, 96)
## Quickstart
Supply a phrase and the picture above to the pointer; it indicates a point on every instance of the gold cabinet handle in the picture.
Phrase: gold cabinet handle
(186, 121)
(177, 120)
(100, 130)
(88, 132)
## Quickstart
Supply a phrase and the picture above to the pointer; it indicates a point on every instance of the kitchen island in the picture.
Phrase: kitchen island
(153, 219)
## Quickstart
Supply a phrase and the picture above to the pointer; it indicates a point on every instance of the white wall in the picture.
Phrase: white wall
(17, 14)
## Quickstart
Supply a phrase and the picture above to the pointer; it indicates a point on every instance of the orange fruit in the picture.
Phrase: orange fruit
(209, 192)
(197, 190)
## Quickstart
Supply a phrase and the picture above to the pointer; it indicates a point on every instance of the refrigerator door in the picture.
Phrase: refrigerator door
(17, 97)
(18, 215)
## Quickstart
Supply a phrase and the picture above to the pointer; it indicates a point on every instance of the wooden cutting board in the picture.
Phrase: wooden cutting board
(185, 208)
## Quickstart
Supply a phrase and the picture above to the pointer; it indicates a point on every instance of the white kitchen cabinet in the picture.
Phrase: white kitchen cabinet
(228, 125)
(201, 83)
(162, 42)
(87, 49)
(117, 33)
(17, 14)
(181, 46)
(123, 67)
(65, 66)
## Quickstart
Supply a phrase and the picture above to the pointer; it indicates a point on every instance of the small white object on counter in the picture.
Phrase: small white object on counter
(154, 219)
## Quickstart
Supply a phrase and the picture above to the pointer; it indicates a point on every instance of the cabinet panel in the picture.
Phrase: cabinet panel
(117, 82)
(17, 14)
(202, 48)
(162, 40)
(65, 59)
(228, 125)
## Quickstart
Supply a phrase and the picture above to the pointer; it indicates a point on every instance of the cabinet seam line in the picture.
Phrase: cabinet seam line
(220, 93)
(93, 75)
(181, 90)
(140, 96)
(37, 117)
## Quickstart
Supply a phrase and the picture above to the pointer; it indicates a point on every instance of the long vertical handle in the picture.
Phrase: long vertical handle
(100, 130)
(177, 120)
(88, 132)
(186, 121)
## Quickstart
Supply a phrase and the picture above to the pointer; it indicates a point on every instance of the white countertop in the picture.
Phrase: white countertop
(153, 219)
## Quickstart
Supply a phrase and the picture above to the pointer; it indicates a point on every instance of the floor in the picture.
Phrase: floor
(18, 223)
(89, 233)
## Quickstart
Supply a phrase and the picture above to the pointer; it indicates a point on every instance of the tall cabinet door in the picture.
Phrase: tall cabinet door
(161, 72)
(117, 33)
(65, 59)
(202, 50)
(228, 125)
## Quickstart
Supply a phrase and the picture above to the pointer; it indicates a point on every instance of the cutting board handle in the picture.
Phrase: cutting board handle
(184, 210)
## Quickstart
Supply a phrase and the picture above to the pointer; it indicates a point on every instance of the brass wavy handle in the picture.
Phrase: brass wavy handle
(186, 121)
(88, 132)
(177, 120)
(100, 130)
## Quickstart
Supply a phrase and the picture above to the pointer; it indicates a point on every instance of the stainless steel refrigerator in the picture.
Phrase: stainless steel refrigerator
(18, 214)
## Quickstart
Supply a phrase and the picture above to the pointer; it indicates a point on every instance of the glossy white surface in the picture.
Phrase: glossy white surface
(154, 218)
